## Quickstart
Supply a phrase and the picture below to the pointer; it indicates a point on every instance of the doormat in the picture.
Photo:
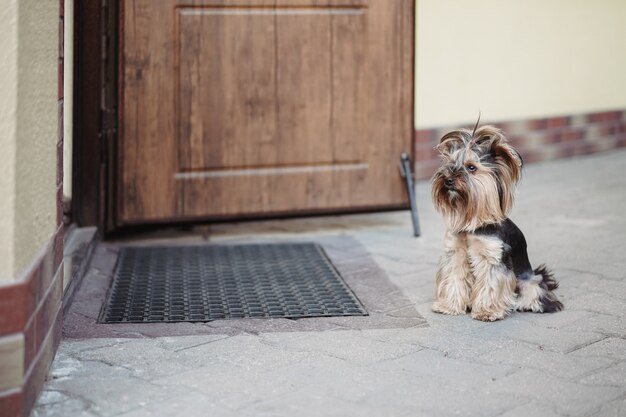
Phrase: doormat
(205, 283)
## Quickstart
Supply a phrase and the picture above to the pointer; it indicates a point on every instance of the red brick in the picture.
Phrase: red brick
(530, 156)
(609, 130)
(582, 148)
(33, 289)
(555, 122)
(553, 136)
(57, 248)
(10, 404)
(30, 343)
(573, 135)
(45, 317)
(503, 126)
(562, 152)
(59, 205)
(426, 136)
(36, 375)
(13, 308)
(18, 300)
(607, 116)
(425, 153)
(60, 83)
(516, 140)
(47, 270)
(425, 170)
(537, 124)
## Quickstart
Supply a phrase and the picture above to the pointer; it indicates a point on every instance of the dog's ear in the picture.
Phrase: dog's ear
(508, 164)
(508, 155)
(489, 140)
(486, 139)
(508, 159)
(451, 141)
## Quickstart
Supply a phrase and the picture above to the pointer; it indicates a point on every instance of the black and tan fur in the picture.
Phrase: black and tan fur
(484, 268)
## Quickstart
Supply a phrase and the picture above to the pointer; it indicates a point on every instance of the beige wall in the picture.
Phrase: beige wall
(68, 96)
(8, 127)
(518, 59)
(28, 123)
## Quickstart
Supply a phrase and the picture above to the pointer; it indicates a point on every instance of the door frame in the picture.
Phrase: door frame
(98, 113)
(95, 94)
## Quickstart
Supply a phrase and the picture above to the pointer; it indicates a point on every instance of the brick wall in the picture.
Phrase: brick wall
(30, 307)
(538, 139)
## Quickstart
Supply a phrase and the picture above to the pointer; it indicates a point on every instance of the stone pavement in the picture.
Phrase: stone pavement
(571, 363)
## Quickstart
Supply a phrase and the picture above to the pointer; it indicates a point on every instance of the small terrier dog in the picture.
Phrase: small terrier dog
(484, 267)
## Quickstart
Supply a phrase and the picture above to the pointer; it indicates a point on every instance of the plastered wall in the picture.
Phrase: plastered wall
(8, 128)
(68, 96)
(514, 59)
(29, 123)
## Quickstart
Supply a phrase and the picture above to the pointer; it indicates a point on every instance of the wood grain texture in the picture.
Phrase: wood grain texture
(260, 107)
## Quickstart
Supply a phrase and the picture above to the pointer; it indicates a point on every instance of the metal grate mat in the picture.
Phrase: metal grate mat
(204, 283)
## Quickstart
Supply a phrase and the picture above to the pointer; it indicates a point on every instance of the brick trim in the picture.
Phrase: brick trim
(32, 307)
(538, 139)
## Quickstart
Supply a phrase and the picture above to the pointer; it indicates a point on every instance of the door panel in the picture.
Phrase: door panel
(234, 108)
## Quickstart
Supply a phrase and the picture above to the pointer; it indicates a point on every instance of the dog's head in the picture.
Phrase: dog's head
(475, 184)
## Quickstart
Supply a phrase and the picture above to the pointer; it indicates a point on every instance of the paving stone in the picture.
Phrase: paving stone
(599, 303)
(568, 398)
(419, 288)
(184, 342)
(358, 391)
(71, 346)
(576, 282)
(532, 409)
(255, 326)
(394, 267)
(450, 343)
(245, 352)
(189, 404)
(96, 383)
(525, 356)
(237, 387)
(305, 403)
(436, 365)
(615, 408)
(553, 321)
(348, 345)
(608, 325)
(611, 347)
(559, 340)
(612, 375)
(140, 356)
(416, 396)
(460, 324)
(377, 321)
(54, 403)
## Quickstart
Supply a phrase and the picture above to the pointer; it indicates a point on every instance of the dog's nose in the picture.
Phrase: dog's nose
(450, 182)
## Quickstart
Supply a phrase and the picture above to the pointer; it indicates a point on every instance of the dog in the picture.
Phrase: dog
(484, 267)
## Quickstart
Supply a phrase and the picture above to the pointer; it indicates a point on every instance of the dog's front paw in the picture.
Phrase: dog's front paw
(485, 315)
(444, 309)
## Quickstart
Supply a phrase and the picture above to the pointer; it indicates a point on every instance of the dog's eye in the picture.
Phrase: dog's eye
(471, 168)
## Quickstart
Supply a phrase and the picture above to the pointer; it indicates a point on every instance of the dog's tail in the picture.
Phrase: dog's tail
(536, 294)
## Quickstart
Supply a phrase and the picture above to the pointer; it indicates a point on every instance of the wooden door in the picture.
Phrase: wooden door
(232, 108)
